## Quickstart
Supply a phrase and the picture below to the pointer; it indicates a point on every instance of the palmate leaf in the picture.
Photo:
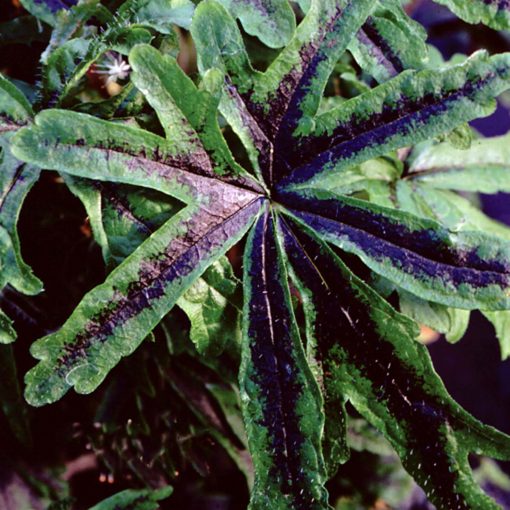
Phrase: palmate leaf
(372, 358)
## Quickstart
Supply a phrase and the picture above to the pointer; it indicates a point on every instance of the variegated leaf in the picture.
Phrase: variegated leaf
(281, 401)
(460, 269)
(388, 376)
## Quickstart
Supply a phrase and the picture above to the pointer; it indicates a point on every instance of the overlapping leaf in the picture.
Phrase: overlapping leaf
(484, 167)
(426, 192)
(389, 42)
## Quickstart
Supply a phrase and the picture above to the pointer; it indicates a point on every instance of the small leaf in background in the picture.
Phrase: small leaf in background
(210, 307)
(272, 21)
(493, 14)
(501, 323)
(452, 322)
(131, 499)
(484, 167)
(159, 14)
(389, 42)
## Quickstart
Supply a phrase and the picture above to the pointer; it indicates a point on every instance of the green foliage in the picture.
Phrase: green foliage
(134, 500)
(348, 194)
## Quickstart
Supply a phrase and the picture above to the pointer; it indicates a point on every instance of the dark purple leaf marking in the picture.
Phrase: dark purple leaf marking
(425, 254)
(347, 336)
(280, 116)
(500, 4)
(206, 231)
(120, 205)
(57, 5)
(261, 142)
(273, 358)
(379, 48)
(18, 179)
(350, 138)
(8, 124)
(193, 169)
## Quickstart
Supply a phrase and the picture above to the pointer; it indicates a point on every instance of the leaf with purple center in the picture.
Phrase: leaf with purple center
(353, 346)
